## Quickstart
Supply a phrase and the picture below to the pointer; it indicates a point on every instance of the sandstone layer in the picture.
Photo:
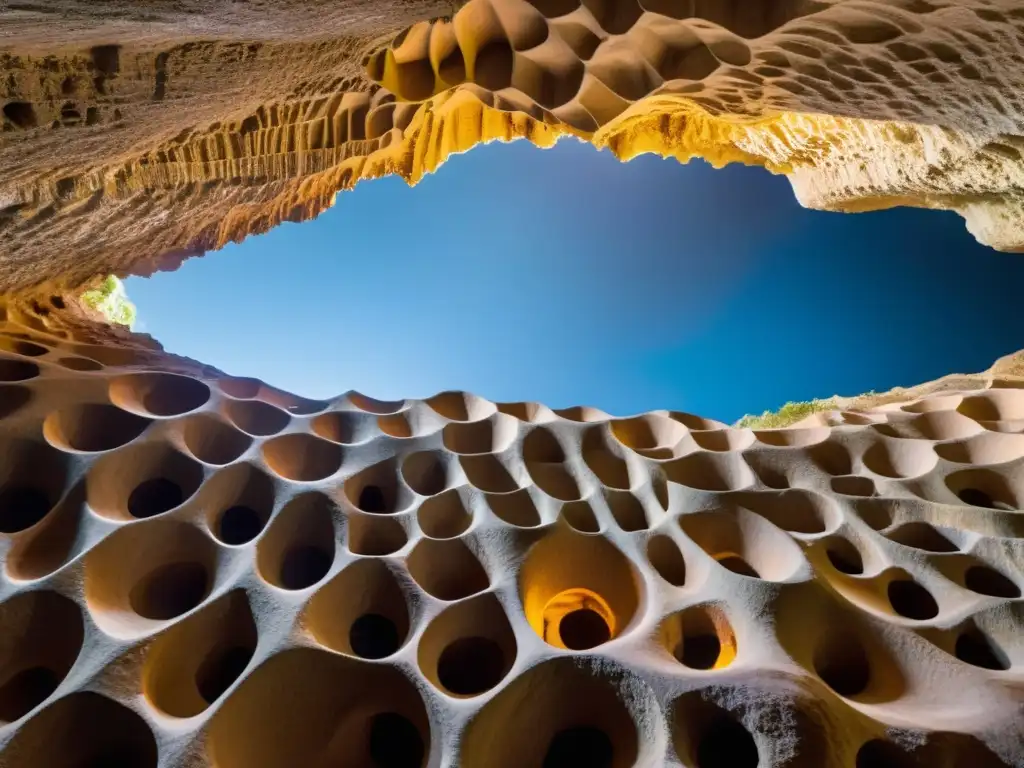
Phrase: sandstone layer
(136, 134)
(200, 570)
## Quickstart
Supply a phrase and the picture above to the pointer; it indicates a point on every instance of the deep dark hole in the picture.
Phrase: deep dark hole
(976, 498)
(160, 85)
(987, 581)
(21, 114)
(154, 496)
(395, 742)
(17, 370)
(174, 396)
(170, 591)
(28, 349)
(727, 744)
(239, 524)
(373, 636)
(220, 670)
(923, 536)
(371, 499)
(738, 565)
(581, 747)
(118, 757)
(846, 562)
(304, 566)
(107, 58)
(880, 754)
(25, 690)
(845, 671)
(978, 650)
(57, 302)
(583, 629)
(21, 508)
(700, 651)
(13, 397)
(910, 599)
(471, 665)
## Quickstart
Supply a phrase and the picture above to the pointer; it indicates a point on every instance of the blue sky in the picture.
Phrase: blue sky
(566, 277)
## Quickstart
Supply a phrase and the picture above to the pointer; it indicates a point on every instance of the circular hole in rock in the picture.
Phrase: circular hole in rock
(471, 665)
(239, 525)
(395, 742)
(27, 348)
(169, 591)
(92, 427)
(583, 629)
(667, 559)
(256, 417)
(727, 744)
(220, 670)
(580, 516)
(845, 557)
(976, 649)
(42, 638)
(21, 508)
(976, 498)
(843, 665)
(17, 370)
(912, 601)
(83, 730)
(154, 497)
(444, 516)
(158, 394)
(880, 754)
(304, 566)
(302, 458)
(26, 690)
(371, 499)
(986, 581)
(373, 636)
(699, 651)
(921, 535)
(737, 564)
(699, 637)
(581, 747)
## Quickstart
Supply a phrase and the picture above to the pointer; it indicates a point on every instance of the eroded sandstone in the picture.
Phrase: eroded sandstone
(201, 570)
(136, 136)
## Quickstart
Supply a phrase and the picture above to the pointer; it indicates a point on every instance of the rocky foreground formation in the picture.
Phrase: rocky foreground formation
(200, 570)
(137, 133)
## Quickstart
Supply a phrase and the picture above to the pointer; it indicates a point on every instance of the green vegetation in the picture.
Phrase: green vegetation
(110, 300)
(788, 414)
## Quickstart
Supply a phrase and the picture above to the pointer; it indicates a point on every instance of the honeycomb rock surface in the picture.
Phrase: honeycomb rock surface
(202, 570)
(134, 134)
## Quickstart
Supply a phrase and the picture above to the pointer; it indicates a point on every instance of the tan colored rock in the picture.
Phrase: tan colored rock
(200, 570)
(138, 134)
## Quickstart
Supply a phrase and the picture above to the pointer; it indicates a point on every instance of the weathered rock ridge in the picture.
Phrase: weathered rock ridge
(202, 571)
(137, 134)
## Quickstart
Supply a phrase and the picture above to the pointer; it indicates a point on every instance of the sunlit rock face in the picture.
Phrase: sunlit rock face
(201, 570)
(136, 134)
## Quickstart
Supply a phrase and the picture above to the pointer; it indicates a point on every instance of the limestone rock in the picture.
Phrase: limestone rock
(138, 134)
(200, 570)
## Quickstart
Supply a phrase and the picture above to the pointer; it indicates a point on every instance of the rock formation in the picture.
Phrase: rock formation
(136, 134)
(201, 570)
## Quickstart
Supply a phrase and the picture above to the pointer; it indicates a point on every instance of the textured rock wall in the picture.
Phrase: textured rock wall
(199, 570)
(135, 135)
